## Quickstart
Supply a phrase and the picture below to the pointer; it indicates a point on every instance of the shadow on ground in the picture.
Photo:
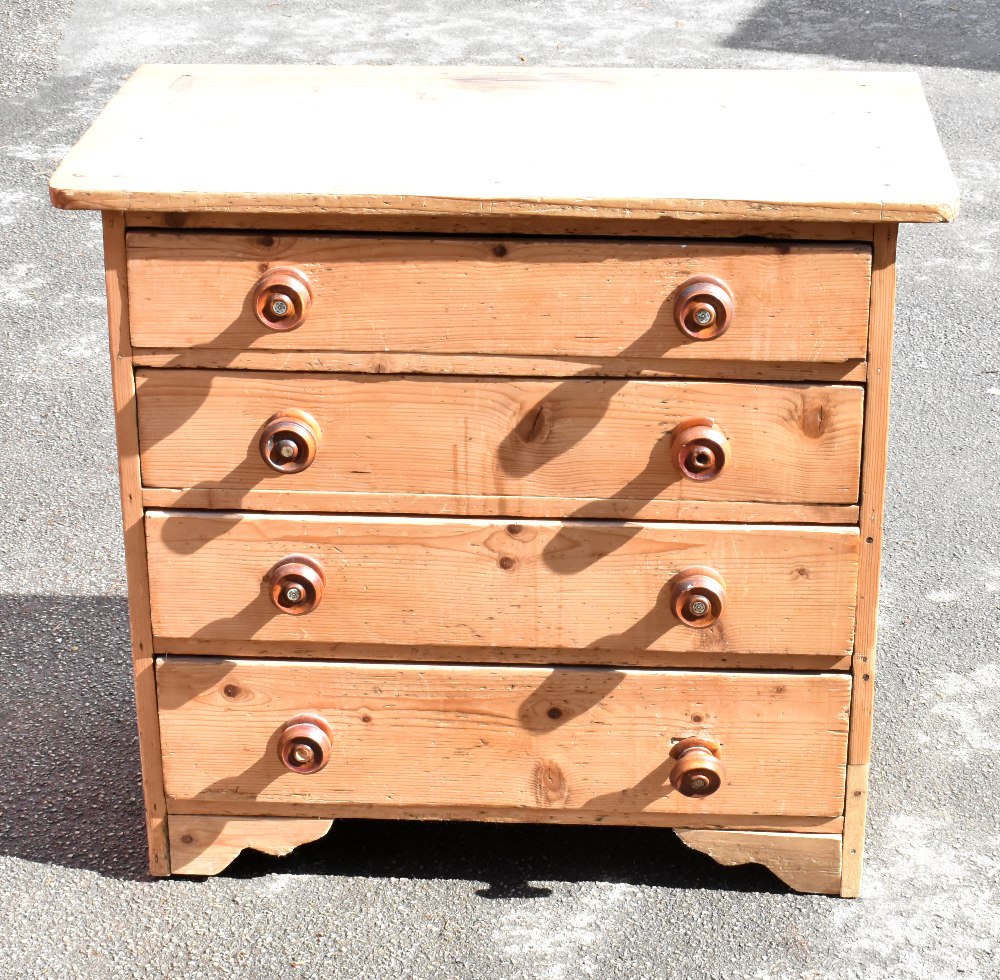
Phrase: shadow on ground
(950, 35)
(70, 790)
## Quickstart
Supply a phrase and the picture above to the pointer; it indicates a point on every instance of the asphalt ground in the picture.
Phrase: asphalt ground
(463, 900)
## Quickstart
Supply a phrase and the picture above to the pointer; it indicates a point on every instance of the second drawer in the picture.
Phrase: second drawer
(534, 591)
(536, 448)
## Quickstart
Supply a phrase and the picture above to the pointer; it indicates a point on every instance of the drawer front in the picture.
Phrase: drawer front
(447, 588)
(455, 445)
(543, 297)
(516, 737)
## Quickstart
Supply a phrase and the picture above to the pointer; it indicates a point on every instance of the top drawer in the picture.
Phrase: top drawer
(542, 297)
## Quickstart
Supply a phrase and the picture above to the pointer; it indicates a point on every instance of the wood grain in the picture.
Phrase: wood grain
(387, 810)
(592, 447)
(511, 296)
(492, 364)
(126, 434)
(876, 436)
(331, 501)
(876, 448)
(810, 145)
(495, 224)
(571, 738)
(206, 845)
(470, 584)
(804, 862)
(532, 656)
(855, 813)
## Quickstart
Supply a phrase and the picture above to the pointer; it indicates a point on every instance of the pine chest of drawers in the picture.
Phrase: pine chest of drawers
(494, 447)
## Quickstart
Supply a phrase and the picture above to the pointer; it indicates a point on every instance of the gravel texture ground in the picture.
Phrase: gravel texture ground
(452, 900)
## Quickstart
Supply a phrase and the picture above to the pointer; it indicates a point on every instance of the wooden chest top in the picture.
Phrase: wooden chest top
(571, 142)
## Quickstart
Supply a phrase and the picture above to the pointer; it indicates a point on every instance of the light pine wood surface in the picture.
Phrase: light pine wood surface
(804, 862)
(509, 505)
(572, 738)
(808, 145)
(512, 296)
(513, 814)
(141, 634)
(495, 364)
(206, 845)
(591, 447)
(640, 226)
(876, 436)
(469, 585)
(855, 815)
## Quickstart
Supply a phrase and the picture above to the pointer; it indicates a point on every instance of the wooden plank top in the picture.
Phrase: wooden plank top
(616, 143)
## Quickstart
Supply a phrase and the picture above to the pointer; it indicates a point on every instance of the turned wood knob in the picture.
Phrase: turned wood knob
(296, 584)
(304, 744)
(703, 309)
(699, 449)
(282, 298)
(697, 596)
(697, 772)
(289, 441)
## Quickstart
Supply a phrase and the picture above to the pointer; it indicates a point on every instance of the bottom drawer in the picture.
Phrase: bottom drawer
(589, 740)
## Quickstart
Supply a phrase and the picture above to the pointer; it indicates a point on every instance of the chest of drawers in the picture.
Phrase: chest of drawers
(492, 447)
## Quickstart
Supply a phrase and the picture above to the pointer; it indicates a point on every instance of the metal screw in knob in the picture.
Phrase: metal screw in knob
(704, 308)
(698, 606)
(281, 298)
(698, 770)
(296, 584)
(280, 305)
(697, 596)
(286, 448)
(290, 440)
(305, 744)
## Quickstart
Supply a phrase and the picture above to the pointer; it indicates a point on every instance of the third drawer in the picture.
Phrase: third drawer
(398, 588)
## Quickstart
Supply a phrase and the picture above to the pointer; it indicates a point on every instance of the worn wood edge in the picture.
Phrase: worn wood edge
(855, 811)
(875, 443)
(127, 438)
(762, 530)
(439, 505)
(805, 862)
(67, 193)
(205, 845)
(492, 224)
(374, 653)
(502, 365)
(248, 808)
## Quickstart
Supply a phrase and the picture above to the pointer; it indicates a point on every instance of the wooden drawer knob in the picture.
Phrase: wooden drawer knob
(282, 298)
(289, 441)
(704, 308)
(296, 584)
(697, 596)
(699, 449)
(304, 744)
(697, 772)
